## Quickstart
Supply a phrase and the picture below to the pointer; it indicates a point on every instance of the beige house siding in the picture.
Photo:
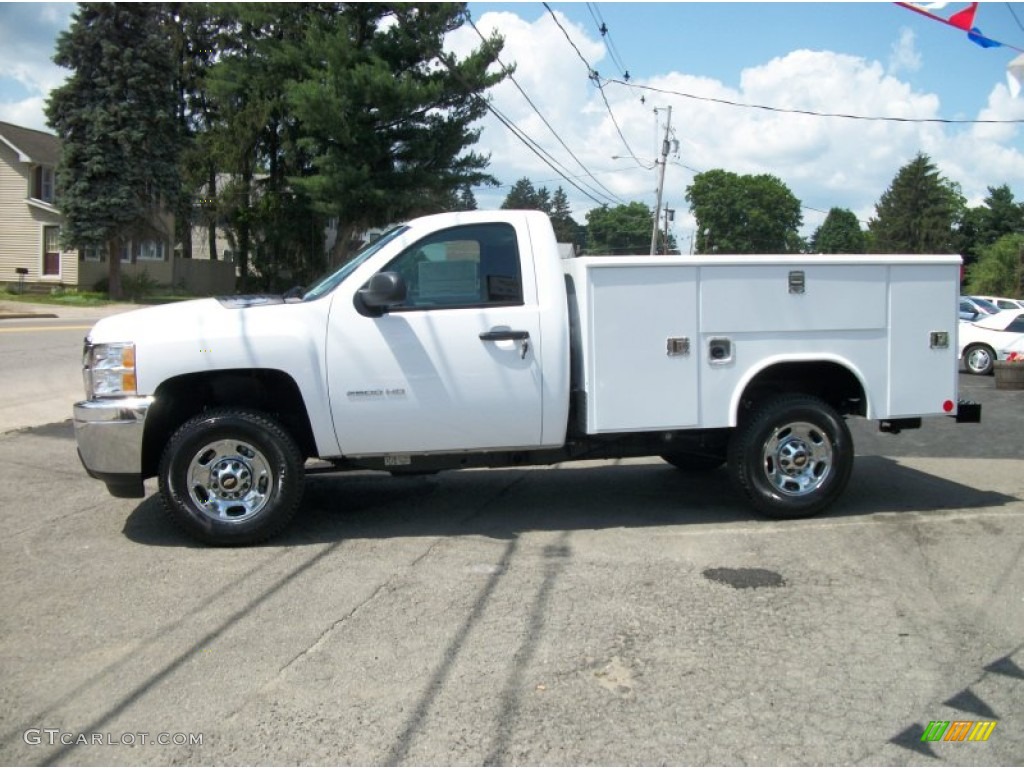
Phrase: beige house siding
(194, 275)
(22, 223)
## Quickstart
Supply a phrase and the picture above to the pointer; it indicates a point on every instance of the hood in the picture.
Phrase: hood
(156, 321)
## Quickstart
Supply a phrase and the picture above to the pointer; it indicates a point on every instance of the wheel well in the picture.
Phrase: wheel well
(831, 382)
(182, 397)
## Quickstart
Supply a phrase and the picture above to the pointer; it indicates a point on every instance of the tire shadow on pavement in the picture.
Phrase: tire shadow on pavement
(502, 503)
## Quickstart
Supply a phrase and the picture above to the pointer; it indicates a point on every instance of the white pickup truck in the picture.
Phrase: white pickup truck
(466, 340)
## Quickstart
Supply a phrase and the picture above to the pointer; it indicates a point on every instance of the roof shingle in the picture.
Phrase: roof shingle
(39, 147)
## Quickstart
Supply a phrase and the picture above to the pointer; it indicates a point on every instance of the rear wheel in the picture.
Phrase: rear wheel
(231, 476)
(793, 457)
(979, 359)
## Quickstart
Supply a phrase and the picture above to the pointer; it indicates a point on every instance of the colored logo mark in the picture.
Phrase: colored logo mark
(958, 730)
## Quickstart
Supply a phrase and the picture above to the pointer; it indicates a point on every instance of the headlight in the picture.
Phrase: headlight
(109, 370)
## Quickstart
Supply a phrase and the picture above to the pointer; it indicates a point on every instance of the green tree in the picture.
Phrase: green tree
(839, 233)
(525, 197)
(567, 230)
(272, 221)
(744, 214)
(919, 212)
(999, 270)
(387, 116)
(193, 30)
(999, 215)
(116, 117)
(624, 229)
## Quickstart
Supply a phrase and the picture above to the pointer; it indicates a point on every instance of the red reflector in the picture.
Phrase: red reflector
(948, 406)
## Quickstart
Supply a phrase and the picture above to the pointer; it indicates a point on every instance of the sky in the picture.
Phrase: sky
(865, 59)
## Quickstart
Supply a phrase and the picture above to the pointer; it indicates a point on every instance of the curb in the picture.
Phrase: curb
(25, 315)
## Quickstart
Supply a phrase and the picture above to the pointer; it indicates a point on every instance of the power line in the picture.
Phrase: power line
(595, 77)
(587, 173)
(1013, 13)
(537, 149)
(595, 13)
(810, 113)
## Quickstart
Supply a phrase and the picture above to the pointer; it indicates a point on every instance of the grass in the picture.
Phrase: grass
(78, 299)
(87, 298)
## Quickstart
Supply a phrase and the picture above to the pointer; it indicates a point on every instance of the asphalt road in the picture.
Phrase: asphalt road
(599, 613)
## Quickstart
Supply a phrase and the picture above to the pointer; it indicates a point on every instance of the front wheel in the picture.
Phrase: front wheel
(793, 457)
(231, 476)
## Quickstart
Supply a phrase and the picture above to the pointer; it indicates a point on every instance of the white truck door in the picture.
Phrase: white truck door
(453, 368)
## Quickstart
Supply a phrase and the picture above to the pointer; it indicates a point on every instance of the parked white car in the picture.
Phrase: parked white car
(1002, 302)
(990, 338)
(974, 308)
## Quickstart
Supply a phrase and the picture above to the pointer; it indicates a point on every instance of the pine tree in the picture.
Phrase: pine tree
(840, 233)
(566, 228)
(116, 117)
(919, 212)
(387, 115)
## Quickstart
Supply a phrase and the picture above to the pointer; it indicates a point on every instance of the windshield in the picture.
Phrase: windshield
(330, 282)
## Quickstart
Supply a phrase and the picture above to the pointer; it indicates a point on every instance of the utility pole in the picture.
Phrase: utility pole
(661, 182)
(670, 215)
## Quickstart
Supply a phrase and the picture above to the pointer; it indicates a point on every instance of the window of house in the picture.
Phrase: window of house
(126, 252)
(43, 184)
(151, 250)
(475, 265)
(91, 253)
(51, 251)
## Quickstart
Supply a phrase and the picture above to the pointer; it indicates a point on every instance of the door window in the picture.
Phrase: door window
(469, 266)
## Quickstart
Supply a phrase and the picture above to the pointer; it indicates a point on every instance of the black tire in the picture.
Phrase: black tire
(231, 477)
(793, 458)
(694, 462)
(979, 359)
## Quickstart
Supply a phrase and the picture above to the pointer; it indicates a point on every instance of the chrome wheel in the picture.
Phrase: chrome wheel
(979, 360)
(229, 480)
(793, 456)
(797, 458)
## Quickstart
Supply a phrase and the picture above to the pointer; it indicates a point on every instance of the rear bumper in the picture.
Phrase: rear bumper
(109, 435)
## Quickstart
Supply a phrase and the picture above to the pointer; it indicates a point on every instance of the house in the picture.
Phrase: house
(30, 222)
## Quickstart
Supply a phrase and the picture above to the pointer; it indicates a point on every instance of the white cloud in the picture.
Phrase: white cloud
(27, 113)
(28, 34)
(826, 162)
(904, 56)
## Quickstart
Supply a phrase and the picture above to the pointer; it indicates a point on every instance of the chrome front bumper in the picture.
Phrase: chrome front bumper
(109, 435)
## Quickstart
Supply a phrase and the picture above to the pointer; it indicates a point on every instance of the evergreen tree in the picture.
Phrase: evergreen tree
(525, 197)
(840, 233)
(566, 228)
(116, 117)
(919, 212)
(387, 115)
(273, 223)
(193, 29)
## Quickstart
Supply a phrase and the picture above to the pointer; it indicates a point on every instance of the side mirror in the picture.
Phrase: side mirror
(383, 290)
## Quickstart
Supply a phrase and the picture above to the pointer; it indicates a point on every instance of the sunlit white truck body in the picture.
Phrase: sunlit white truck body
(463, 340)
